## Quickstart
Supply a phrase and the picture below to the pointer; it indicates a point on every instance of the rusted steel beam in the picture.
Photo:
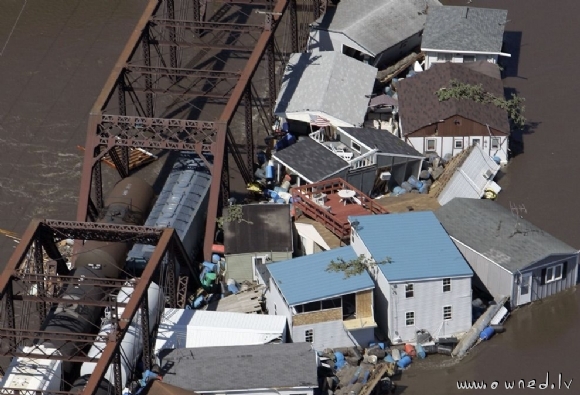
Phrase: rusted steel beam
(200, 45)
(46, 299)
(64, 280)
(169, 71)
(180, 92)
(88, 164)
(95, 230)
(218, 150)
(220, 26)
(253, 62)
(135, 301)
(18, 255)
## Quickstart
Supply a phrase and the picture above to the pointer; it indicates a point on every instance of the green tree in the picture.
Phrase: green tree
(234, 213)
(460, 91)
(354, 267)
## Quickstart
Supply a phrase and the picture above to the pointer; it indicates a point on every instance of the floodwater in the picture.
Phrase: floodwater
(56, 58)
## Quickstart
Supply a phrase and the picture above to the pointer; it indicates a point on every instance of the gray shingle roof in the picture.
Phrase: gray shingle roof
(376, 25)
(490, 229)
(311, 160)
(464, 29)
(326, 82)
(420, 107)
(203, 369)
(272, 222)
(385, 142)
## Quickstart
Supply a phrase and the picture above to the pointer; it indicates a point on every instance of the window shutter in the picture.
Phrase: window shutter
(564, 269)
(543, 278)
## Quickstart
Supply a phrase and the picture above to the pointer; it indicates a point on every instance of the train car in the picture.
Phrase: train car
(131, 345)
(128, 203)
(182, 205)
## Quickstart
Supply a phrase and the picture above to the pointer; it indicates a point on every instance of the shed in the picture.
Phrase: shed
(262, 234)
(265, 369)
(379, 31)
(423, 283)
(181, 328)
(323, 307)
(472, 178)
(511, 256)
(329, 85)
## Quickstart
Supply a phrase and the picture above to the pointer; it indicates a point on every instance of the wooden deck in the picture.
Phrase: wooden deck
(332, 211)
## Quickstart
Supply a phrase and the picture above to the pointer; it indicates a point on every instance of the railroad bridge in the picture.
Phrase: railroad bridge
(194, 75)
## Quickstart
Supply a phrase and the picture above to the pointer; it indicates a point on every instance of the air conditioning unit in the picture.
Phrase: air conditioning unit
(385, 176)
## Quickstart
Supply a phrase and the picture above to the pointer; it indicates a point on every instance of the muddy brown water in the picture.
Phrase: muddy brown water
(61, 52)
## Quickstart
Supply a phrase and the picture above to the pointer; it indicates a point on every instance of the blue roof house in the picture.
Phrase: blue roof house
(424, 282)
(323, 308)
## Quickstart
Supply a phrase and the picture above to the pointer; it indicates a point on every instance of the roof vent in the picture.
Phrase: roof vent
(488, 174)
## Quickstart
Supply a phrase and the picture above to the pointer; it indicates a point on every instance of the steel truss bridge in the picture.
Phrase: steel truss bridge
(179, 82)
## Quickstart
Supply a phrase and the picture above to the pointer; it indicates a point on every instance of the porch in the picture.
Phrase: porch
(331, 202)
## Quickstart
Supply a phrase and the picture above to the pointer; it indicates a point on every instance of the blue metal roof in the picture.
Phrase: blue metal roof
(305, 279)
(417, 243)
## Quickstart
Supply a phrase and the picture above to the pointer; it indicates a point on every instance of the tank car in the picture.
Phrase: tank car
(128, 203)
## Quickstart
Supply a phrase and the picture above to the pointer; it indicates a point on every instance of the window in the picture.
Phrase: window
(475, 142)
(457, 122)
(431, 145)
(355, 146)
(468, 58)
(446, 285)
(309, 335)
(444, 57)
(447, 313)
(409, 292)
(494, 143)
(554, 273)
(410, 318)
(458, 144)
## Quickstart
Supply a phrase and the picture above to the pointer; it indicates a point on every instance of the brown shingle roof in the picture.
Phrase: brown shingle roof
(420, 107)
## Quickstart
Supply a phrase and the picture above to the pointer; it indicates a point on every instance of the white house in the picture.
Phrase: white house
(423, 283)
(374, 31)
(325, 88)
(472, 178)
(463, 34)
(269, 369)
(323, 308)
(510, 256)
(448, 127)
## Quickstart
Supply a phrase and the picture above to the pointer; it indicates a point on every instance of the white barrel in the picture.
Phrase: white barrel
(132, 343)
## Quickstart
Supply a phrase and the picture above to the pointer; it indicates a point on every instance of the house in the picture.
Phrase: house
(510, 256)
(448, 127)
(314, 237)
(181, 328)
(425, 283)
(323, 308)
(463, 34)
(284, 369)
(325, 88)
(472, 177)
(358, 155)
(374, 31)
(262, 234)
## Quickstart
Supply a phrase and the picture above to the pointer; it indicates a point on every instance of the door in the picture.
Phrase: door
(525, 289)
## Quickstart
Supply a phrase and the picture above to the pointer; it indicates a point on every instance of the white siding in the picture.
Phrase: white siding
(497, 280)
(427, 303)
(431, 58)
(276, 304)
(445, 145)
(322, 40)
(330, 334)
(272, 391)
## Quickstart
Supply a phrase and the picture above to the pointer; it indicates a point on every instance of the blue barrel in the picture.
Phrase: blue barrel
(280, 201)
(420, 351)
(404, 362)
(497, 159)
(487, 333)
(397, 191)
(270, 172)
(389, 358)
(197, 303)
(424, 189)
(272, 194)
(262, 158)
(407, 186)
(232, 286)
(215, 258)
